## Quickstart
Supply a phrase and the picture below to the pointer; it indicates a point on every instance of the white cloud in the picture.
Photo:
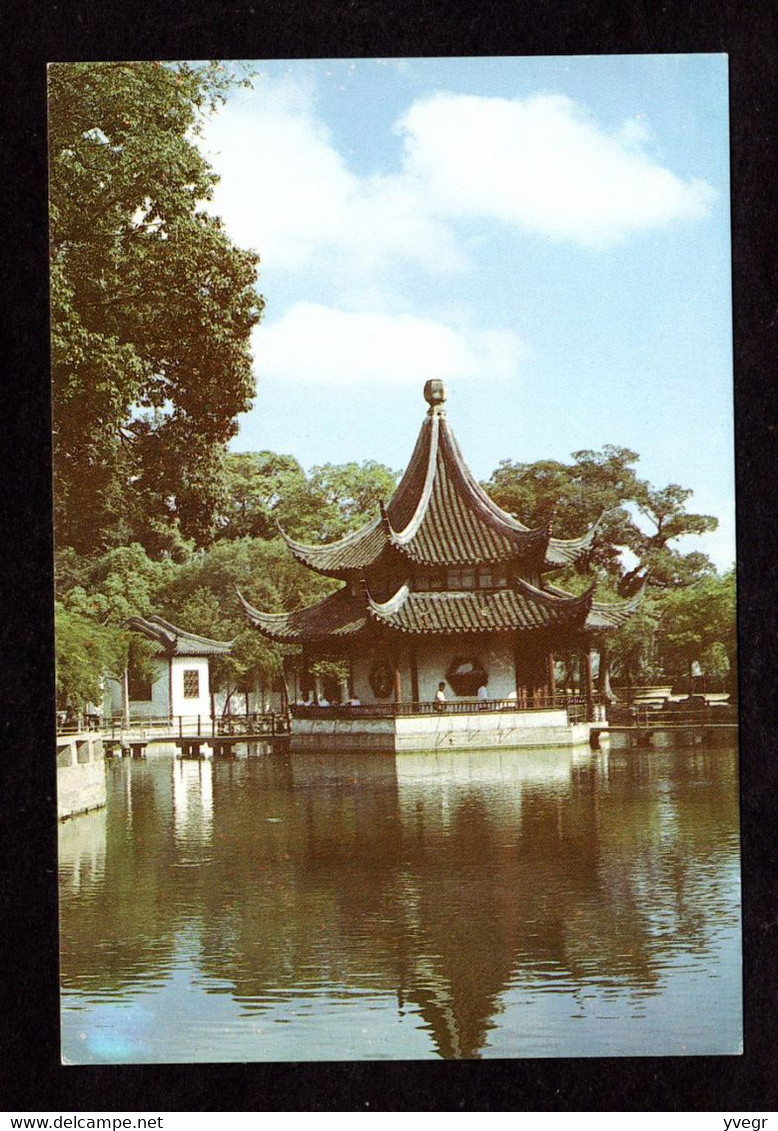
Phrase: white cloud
(544, 165)
(541, 164)
(320, 344)
(286, 190)
(283, 185)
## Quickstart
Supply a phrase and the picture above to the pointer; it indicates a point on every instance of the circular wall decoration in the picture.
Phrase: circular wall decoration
(466, 674)
(381, 679)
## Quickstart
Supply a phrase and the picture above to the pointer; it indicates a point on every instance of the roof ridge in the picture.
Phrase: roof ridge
(347, 539)
(583, 539)
(400, 538)
(476, 491)
(560, 597)
(185, 634)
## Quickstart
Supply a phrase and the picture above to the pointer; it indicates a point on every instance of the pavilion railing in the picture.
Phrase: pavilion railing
(574, 705)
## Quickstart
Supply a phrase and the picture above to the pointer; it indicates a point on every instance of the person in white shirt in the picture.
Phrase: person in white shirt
(482, 696)
(440, 697)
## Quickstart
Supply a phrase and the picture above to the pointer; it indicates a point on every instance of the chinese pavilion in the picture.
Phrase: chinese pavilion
(444, 587)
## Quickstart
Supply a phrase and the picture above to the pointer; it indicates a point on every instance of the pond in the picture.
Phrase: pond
(367, 906)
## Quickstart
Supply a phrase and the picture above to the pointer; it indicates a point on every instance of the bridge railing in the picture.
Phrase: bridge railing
(183, 726)
(671, 716)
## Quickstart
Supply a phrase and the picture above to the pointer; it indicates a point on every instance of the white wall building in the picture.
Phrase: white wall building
(180, 683)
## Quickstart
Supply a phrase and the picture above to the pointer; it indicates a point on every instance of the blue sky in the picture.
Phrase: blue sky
(549, 235)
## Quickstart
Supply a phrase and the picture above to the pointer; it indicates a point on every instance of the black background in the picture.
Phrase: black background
(31, 1077)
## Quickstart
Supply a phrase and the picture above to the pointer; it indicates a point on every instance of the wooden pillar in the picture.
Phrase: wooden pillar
(517, 673)
(551, 675)
(414, 676)
(586, 670)
(303, 673)
(398, 683)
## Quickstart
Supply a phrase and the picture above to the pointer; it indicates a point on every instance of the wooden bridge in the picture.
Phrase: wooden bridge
(643, 726)
(191, 734)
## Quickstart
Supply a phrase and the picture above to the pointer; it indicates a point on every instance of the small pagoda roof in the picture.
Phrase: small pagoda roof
(440, 515)
(176, 641)
(350, 556)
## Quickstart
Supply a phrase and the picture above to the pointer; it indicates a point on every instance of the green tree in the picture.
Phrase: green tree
(265, 490)
(84, 652)
(354, 491)
(604, 484)
(95, 599)
(201, 597)
(262, 491)
(664, 510)
(629, 653)
(151, 307)
(698, 626)
(122, 583)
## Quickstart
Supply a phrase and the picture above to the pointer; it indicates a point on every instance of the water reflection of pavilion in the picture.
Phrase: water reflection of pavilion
(445, 887)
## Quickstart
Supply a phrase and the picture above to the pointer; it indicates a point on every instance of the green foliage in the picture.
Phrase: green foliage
(122, 583)
(259, 488)
(604, 484)
(350, 494)
(698, 625)
(631, 649)
(265, 490)
(151, 307)
(84, 653)
(202, 598)
(265, 572)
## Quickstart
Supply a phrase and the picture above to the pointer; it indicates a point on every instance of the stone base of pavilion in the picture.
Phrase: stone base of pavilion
(401, 728)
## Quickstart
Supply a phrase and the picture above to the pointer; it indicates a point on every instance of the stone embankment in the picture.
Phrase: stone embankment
(80, 773)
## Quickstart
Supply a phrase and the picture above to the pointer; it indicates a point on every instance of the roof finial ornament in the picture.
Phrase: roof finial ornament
(435, 394)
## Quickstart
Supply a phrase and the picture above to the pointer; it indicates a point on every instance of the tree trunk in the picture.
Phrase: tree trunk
(604, 689)
(226, 707)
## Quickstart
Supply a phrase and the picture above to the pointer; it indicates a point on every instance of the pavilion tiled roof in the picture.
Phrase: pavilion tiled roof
(343, 614)
(611, 616)
(604, 615)
(176, 641)
(338, 616)
(440, 515)
(523, 607)
(567, 551)
(350, 556)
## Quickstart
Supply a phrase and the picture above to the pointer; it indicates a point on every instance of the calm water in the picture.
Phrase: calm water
(500, 904)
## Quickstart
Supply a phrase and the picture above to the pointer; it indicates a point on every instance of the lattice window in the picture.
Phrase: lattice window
(461, 578)
(191, 684)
